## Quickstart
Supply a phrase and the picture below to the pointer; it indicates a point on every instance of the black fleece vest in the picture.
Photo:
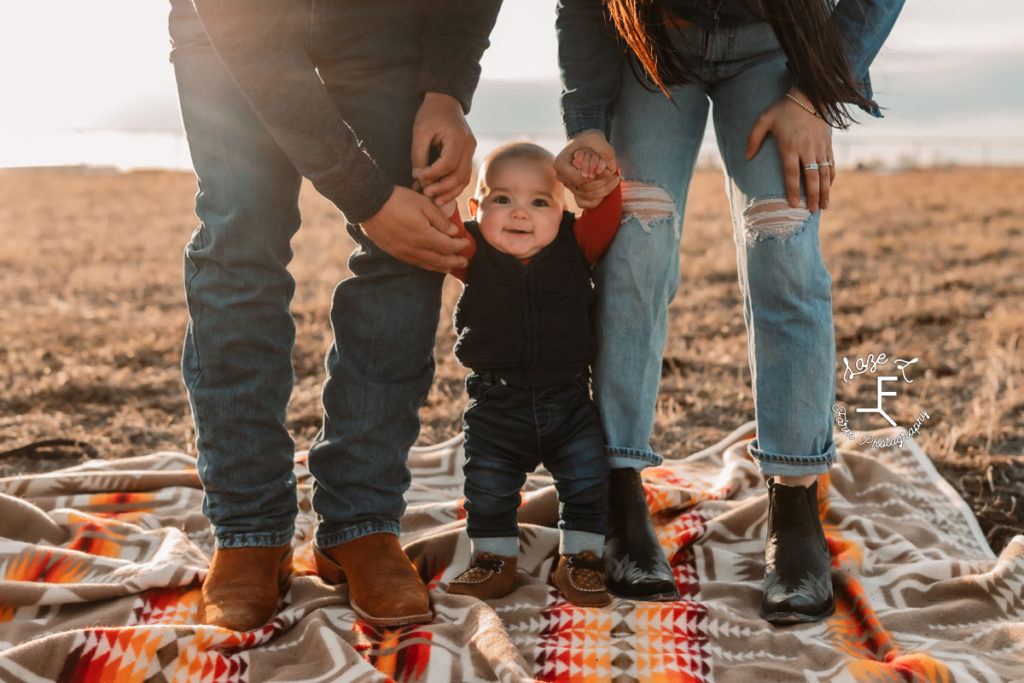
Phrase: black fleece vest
(529, 324)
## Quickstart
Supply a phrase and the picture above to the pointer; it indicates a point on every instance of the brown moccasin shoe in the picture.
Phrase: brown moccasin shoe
(489, 576)
(581, 579)
(384, 587)
(242, 588)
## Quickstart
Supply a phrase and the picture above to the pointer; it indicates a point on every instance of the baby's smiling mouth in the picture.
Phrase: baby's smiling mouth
(517, 231)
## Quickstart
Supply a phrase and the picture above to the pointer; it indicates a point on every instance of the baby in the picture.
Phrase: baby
(524, 328)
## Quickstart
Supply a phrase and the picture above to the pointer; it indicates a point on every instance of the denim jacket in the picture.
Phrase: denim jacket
(591, 59)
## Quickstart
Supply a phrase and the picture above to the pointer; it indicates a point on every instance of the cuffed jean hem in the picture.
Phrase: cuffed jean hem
(631, 458)
(774, 464)
(574, 542)
(329, 539)
(502, 546)
(250, 539)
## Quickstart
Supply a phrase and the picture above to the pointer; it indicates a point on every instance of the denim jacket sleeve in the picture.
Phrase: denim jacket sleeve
(262, 44)
(590, 60)
(863, 27)
(453, 40)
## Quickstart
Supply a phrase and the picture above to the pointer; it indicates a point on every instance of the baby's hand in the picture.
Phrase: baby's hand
(589, 163)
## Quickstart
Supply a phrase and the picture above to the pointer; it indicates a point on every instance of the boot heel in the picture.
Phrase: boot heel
(285, 570)
(329, 570)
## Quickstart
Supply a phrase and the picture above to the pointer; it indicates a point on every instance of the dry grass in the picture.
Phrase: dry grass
(926, 264)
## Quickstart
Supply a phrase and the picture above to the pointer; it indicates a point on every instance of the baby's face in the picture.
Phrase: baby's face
(522, 209)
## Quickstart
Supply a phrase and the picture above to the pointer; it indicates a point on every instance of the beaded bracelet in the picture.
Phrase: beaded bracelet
(801, 104)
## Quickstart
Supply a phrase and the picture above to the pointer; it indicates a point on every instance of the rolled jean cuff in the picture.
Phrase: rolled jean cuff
(631, 458)
(775, 464)
(502, 546)
(574, 542)
(255, 539)
(331, 537)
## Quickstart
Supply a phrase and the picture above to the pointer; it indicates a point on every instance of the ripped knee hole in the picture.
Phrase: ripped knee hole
(765, 218)
(647, 202)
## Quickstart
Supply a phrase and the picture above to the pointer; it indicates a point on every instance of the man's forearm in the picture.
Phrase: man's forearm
(454, 39)
(262, 45)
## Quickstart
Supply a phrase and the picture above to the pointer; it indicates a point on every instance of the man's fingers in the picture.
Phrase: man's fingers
(448, 161)
(434, 251)
(450, 173)
(446, 189)
(448, 208)
(436, 219)
(422, 138)
(437, 244)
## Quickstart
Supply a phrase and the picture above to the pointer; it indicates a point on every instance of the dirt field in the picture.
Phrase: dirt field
(926, 265)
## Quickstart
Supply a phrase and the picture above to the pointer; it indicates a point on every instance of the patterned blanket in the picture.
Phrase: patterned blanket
(100, 566)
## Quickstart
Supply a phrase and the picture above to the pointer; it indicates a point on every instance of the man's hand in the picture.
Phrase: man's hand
(587, 166)
(804, 140)
(412, 229)
(441, 124)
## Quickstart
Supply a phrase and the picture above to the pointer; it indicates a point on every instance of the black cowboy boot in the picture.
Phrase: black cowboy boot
(798, 577)
(635, 566)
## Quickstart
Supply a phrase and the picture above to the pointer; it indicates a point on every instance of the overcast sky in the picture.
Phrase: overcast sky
(73, 64)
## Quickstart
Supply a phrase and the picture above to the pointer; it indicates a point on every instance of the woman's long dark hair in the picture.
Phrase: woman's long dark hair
(804, 29)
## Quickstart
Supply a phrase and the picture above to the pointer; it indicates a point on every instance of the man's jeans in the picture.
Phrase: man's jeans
(787, 302)
(237, 354)
(509, 431)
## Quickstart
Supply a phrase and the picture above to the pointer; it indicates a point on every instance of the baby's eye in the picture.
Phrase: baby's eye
(540, 202)
(500, 199)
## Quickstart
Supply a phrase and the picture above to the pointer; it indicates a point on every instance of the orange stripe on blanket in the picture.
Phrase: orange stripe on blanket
(855, 627)
(42, 567)
(89, 538)
(401, 651)
(144, 501)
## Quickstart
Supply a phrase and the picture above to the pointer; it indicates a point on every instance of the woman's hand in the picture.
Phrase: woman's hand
(805, 144)
(590, 178)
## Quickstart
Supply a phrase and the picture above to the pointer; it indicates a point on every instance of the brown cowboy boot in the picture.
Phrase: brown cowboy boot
(242, 588)
(580, 577)
(489, 576)
(383, 585)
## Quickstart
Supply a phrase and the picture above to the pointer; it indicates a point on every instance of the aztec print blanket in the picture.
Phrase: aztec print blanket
(100, 566)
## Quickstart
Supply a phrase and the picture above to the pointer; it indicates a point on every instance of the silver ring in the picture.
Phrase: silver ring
(811, 167)
(827, 163)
